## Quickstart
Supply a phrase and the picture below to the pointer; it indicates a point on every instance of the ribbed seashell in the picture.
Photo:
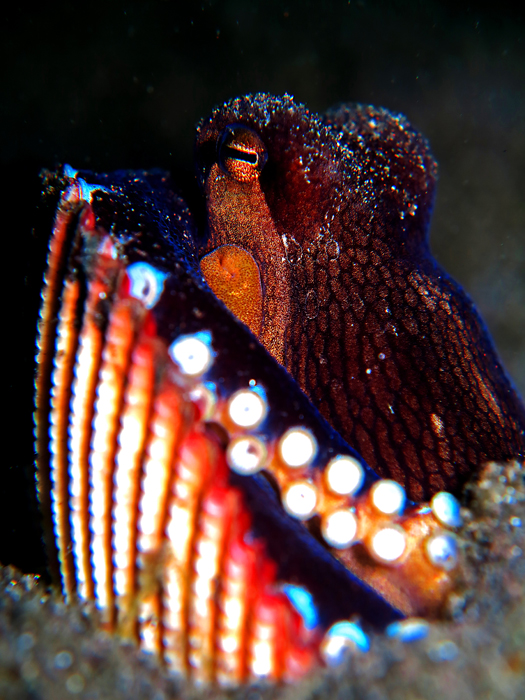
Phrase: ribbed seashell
(145, 521)
(137, 450)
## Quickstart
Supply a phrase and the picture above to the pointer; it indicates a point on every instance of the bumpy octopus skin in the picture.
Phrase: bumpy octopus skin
(317, 241)
(386, 345)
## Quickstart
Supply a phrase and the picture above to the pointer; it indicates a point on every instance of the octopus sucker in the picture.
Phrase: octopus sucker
(190, 489)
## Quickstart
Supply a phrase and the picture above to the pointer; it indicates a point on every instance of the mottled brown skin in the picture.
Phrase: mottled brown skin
(386, 345)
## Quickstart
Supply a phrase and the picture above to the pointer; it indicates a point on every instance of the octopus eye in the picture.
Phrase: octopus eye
(241, 153)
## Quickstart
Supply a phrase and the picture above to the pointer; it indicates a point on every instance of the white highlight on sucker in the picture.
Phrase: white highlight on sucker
(192, 353)
(247, 408)
(297, 447)
(388, 544)
(339, 528)
(388, 497)
(344, 475)
(300, 499)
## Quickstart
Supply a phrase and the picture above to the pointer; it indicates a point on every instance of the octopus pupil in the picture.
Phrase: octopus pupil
(236, 154)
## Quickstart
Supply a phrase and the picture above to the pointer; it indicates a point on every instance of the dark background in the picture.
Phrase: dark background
(122, 85)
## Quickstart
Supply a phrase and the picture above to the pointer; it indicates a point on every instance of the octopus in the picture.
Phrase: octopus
(252, 438)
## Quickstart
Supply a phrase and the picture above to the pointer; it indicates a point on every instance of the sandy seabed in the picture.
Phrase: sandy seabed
(49, 651)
